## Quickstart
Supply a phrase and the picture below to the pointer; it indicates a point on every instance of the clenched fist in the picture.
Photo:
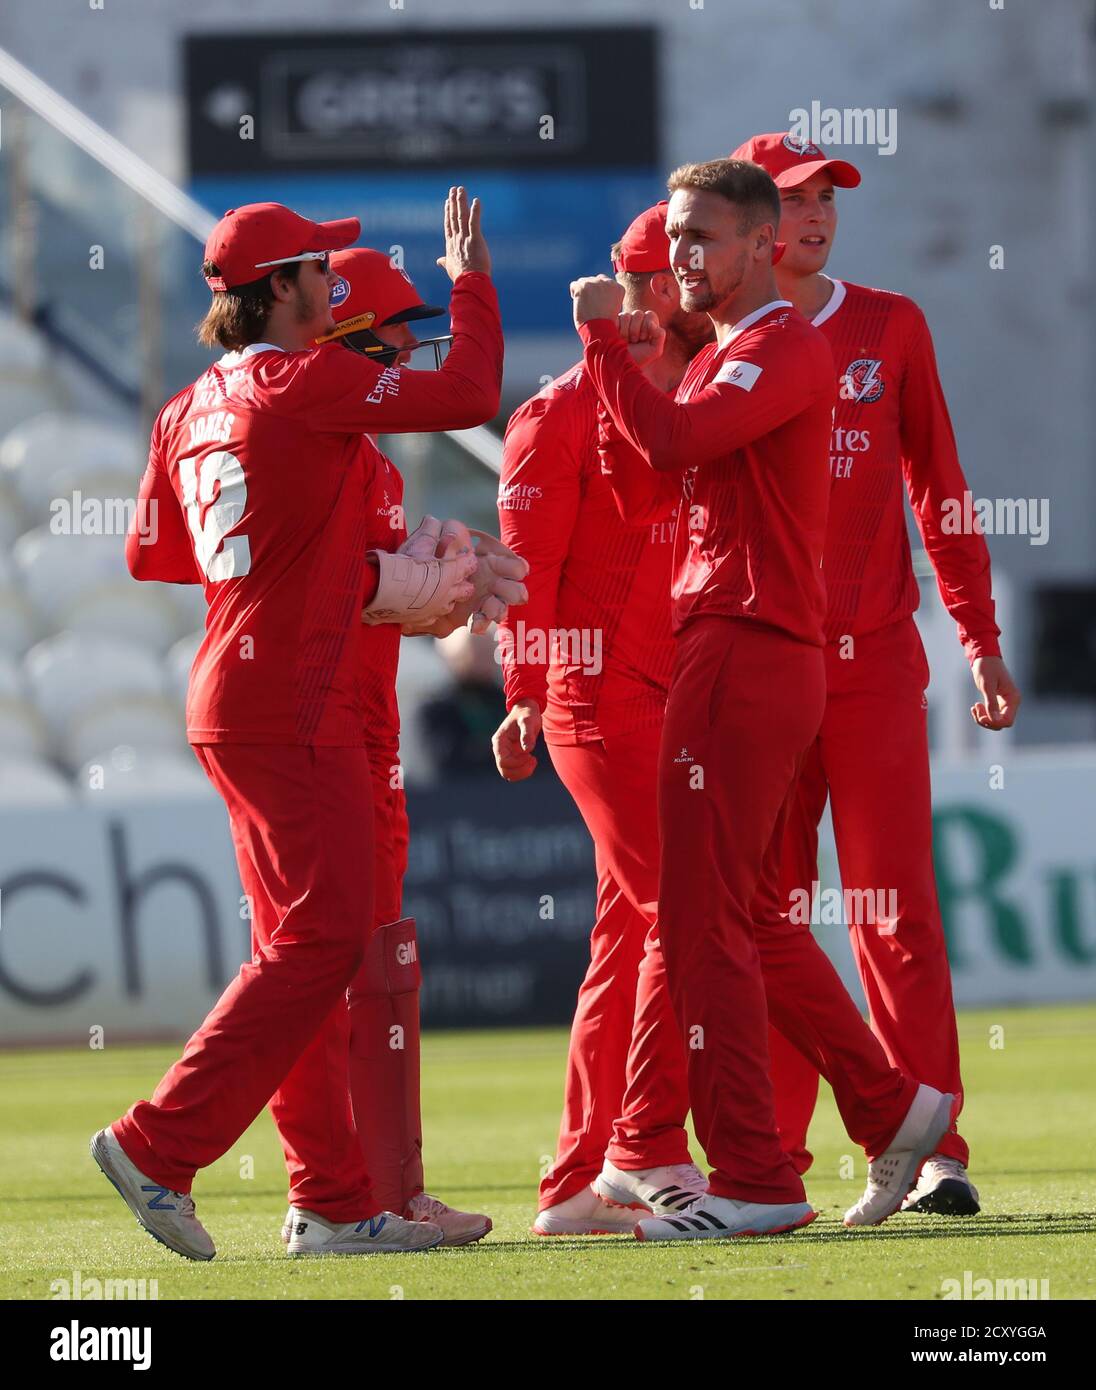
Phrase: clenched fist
(644, 335)
(596, 297)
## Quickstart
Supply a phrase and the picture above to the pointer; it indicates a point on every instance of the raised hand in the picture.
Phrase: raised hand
(465, 244)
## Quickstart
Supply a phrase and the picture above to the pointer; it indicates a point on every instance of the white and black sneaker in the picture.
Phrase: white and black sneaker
(723, 1218)
(167, 1216)
(943, 1189)
(893, 1173)
(662, 1191)
(385, 1233)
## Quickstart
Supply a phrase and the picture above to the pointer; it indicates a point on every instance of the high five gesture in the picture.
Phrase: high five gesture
(465, 245)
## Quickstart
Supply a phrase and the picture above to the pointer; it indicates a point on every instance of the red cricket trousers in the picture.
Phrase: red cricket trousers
(745, 704)
(391, 834)
(871, 757)
(302, 825)
(624, 1027)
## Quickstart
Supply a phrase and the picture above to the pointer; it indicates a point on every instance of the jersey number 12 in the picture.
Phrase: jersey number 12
(220, 555)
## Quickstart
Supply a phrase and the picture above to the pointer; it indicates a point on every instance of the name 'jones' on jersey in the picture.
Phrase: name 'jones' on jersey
(276, 510)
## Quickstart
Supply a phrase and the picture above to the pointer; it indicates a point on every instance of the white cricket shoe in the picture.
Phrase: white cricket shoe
(457, 1227)
(662, 1191)
(893, 1173)
(167, 1216)
(722, 1218)
(584, 1214)
(944, 1189)
(385, 1233)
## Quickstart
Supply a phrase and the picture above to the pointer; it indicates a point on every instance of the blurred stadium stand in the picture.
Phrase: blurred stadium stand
(94, 666)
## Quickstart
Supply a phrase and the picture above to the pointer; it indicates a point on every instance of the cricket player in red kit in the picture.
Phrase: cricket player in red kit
(891, 435)
(744, 451)
(601, 708)
(375, 304)
(258, 475)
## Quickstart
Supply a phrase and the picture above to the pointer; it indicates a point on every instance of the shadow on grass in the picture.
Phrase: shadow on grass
(825, 1233)
(830, 1233)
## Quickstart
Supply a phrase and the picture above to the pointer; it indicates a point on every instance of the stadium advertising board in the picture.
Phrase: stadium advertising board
(378, 125)
(361, 100)
(131, 919)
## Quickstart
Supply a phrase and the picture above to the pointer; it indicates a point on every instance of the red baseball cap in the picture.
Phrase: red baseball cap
(645, 245)
(248, 242)
(371, 291)
(788, 160)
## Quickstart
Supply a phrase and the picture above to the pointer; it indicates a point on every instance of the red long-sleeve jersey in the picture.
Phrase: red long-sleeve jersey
(891, 424)
(746, 444)
(599, 584)
(379, 643)
(259, 468)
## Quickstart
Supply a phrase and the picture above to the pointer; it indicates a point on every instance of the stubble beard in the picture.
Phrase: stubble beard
(317, 315)
(717, 292)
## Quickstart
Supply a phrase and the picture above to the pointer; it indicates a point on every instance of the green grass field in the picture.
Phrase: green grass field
(491, 1105)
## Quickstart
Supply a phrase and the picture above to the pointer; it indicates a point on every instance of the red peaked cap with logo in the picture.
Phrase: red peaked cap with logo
(645, 247)
(790, 161)
(248, 237)
(371, 291)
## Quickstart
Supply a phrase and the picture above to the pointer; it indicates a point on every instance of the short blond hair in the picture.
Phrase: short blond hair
(741, 182)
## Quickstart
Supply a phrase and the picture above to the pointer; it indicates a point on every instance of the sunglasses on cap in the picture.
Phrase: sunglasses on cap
(324, 258)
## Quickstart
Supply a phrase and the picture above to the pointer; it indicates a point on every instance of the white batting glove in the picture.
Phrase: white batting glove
(496, 583)
(424, 541)
(416, 588)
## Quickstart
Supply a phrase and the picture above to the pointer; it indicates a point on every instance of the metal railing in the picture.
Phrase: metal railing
(61, 187)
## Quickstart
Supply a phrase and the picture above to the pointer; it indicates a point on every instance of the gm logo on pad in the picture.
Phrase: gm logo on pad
(340, 290)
